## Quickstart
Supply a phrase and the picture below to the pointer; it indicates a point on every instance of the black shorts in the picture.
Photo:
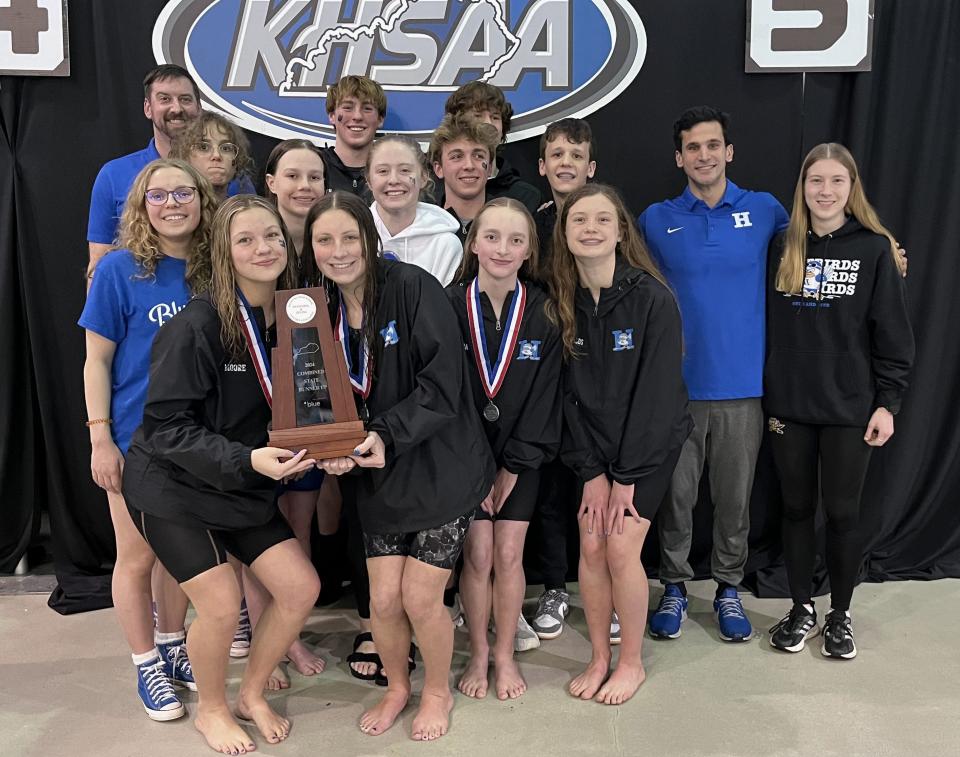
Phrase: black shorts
(522, 500)
(187, 550)
(439, 546)
(649, 491)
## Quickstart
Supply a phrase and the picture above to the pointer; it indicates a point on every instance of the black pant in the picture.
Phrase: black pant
(558, 488)
(843, 457)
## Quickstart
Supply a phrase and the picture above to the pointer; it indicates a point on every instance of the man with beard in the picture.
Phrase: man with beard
(171, 100)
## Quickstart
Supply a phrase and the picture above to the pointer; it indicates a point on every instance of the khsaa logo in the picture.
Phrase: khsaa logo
(268, 63)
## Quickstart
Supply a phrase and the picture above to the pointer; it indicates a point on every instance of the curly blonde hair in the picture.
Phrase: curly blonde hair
(139, 236)
(223, 288)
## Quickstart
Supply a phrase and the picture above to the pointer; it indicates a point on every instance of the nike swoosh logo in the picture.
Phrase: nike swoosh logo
(671, 231)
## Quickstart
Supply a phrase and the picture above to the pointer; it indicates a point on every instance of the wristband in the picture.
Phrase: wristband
(98, 421)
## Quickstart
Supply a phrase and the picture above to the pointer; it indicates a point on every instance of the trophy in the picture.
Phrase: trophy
(313, 405)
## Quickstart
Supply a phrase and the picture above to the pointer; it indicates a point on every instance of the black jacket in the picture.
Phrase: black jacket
(439, 465)
(527, 433)
(625, 403)
(507, 183)
(205, 414)
(844, 347)
(545, 220)
(341, 177)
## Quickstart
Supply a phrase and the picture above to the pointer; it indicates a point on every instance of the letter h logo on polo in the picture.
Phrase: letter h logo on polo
(529, 350)
(389, 334)
(741, 220)
(622, 340)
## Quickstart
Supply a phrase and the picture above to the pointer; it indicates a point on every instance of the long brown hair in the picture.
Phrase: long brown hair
(223, 288)
(138, 235)
(370, 244)
(470, 264)
(793, 264)
(563, 274)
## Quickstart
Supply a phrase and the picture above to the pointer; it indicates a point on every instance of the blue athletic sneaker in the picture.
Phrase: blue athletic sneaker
(734, 624)
(156, 692)
(176, 664)
(671, 612)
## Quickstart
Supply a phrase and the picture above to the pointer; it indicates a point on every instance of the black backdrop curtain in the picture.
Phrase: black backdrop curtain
(900, 121)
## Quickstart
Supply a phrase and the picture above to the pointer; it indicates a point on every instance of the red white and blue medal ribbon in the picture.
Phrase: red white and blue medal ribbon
(361, 379)
(256, 347)
(492, 373)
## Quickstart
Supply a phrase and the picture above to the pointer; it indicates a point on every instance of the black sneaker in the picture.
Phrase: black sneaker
(838, 636)
(792, 632)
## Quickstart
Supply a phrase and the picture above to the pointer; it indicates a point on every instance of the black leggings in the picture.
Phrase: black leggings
(356, 554)
(843, 457)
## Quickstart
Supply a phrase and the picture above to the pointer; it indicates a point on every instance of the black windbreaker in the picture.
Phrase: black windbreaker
(844, 347)
(546, 220)
(205, 413)
(527, 433)
(438, 463)
(625, 403)
(341, 177)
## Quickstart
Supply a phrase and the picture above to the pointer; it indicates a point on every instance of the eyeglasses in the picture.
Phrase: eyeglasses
(226, 149)
(181, 195)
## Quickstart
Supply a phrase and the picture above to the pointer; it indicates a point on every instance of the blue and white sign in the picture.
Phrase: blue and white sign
(268, 63)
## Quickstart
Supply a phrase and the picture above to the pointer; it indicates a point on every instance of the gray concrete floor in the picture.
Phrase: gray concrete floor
(66, 688)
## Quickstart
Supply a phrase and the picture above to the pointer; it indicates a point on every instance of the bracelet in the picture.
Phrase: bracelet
(98, 421)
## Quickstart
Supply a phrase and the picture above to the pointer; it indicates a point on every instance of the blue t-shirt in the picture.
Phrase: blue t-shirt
(127, 309)
(113, 184)
(715, 259)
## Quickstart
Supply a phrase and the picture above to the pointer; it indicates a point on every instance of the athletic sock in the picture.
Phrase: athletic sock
(139, 659)
(683, 587)
(169, 638)
(721, 587)
(808, 608)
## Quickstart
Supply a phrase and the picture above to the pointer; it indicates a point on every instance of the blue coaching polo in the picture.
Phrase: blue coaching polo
(715, 260)
(112, 185)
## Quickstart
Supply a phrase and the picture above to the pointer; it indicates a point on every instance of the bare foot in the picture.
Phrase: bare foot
(473, 682)
(586, 684)
(223, 733)
(509, 679)
(277, 681)
(622, 684)
(254, 707)
(433, 717)
(378, 719)
(305, 661)
(365, 668)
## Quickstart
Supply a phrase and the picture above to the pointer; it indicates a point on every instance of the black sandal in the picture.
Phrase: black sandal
(381, 679)
(356, 656)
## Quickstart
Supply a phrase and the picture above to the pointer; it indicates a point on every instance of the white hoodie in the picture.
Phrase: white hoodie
(429, 242)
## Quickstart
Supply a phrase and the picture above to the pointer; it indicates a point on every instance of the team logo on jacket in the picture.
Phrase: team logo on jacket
(828, 279)
(622, 340)
(389, 334)
(529, 350)
(268, 63)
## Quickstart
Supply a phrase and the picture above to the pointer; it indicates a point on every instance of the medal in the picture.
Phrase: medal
(364, 413)
(256, 347)
(492, 373)
(361, 379)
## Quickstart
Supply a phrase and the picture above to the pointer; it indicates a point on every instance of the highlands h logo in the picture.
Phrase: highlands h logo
(268, 63)
(741, 220)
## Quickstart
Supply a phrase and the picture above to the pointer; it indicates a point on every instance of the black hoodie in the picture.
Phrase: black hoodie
(527, 433)
(205, 413)
(844, 347)
(345, 178)
(507, 183)
(439, 465)
(625, 403)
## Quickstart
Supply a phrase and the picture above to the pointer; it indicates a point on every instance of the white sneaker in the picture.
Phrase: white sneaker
(614, 629)
(526, 638)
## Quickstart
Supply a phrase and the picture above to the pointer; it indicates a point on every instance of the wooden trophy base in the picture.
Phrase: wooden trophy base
(321, 442)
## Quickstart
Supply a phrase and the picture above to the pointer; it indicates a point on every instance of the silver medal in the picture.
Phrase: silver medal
(491, 412)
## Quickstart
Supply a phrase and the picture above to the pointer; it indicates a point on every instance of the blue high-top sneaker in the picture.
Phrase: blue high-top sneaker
(159, 700)
(176, 664)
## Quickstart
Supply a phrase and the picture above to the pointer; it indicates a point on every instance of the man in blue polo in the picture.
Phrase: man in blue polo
(711, 244)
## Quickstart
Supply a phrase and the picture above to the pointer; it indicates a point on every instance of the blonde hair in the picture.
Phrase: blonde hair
(426, 175)
(563, 274)
(138, 235)
(223, 288)
(470, 265)
(793, 263)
